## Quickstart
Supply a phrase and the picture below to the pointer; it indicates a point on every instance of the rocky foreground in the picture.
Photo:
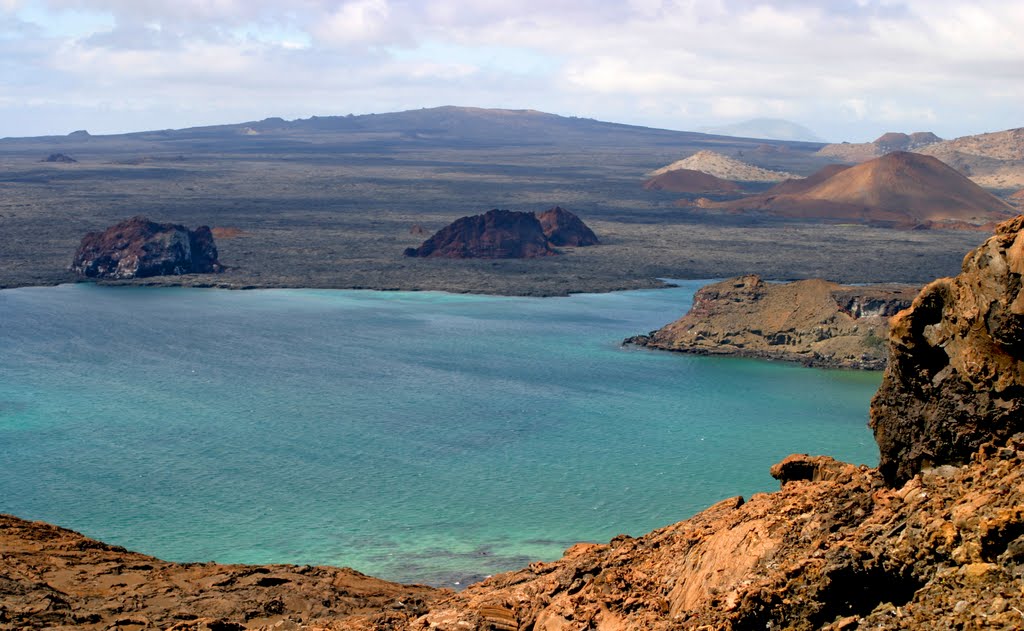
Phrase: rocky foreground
(934, 539)
(814, 322)
(53, 578)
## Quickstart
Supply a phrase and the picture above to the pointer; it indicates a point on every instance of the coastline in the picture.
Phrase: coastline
(808, 361)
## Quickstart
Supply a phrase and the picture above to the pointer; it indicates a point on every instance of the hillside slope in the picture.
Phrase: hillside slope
(900, 189)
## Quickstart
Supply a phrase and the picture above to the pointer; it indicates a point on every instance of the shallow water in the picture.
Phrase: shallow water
(414, 436)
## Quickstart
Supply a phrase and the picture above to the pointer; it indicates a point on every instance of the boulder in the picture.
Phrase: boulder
(496, 234)
(562, 227)
(139, 248)
(955, 378)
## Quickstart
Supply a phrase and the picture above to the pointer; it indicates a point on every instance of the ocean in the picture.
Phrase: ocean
(419, 437)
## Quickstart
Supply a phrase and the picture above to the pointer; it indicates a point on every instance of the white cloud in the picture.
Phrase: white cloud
(678, 63)
(358, 22)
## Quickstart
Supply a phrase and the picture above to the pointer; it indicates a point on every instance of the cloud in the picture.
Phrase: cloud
(839, 67)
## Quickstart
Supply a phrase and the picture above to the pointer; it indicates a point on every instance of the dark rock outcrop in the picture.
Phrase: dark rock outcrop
(956, 375)
(563, 228)
(814, 322)
(139, 248)
(61, 158)
(496, 234)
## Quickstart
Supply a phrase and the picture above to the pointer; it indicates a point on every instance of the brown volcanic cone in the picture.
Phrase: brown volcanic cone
(562, 227)
(792, 186)
(899, 189)
(689, 181)
(497, 234)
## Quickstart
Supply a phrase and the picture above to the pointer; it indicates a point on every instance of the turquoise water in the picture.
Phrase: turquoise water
(414, 436)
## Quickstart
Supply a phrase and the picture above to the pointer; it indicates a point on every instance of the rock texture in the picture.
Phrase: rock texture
(139, 248)
(898, 190)
(956, 379)
(54, 578)
(496, 234)
(814, 322)
(563, 228)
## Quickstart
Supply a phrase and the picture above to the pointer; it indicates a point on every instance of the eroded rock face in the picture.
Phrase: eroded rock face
(563, 228)
(496, 234)
(956, 375)
(814, 322)
(139, 248)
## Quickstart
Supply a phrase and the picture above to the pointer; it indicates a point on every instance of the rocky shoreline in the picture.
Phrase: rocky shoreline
(813, 322)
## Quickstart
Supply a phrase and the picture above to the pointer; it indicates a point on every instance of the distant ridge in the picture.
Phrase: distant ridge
(900, 189)
(766, 128)
(724, 167)
(886, 143)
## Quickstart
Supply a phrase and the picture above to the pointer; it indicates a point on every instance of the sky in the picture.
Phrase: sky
(847, 69)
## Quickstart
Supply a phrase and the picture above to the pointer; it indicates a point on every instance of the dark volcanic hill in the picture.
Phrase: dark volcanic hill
(563, 228)
(140, 248)
(496, 234)
(899, 189)
(689, 181)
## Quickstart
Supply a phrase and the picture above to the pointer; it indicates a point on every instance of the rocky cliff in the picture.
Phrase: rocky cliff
(957, 375)
(814, 322)
(496, 234)
(138, 248)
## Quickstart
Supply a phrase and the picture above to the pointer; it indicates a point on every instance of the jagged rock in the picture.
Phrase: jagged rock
(138, 248)
(956, 375)
(563, 228)
(814, 322)
(496, 234)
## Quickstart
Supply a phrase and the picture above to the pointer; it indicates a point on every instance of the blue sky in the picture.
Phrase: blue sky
(847, 69)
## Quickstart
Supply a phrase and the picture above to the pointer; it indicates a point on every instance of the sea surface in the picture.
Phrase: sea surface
(423, 437)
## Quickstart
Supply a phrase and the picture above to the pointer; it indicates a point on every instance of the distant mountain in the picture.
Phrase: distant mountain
(768, 128)
(886, 143)
(899, 189)
(724, 167)
(430, 128)
(995, 160)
